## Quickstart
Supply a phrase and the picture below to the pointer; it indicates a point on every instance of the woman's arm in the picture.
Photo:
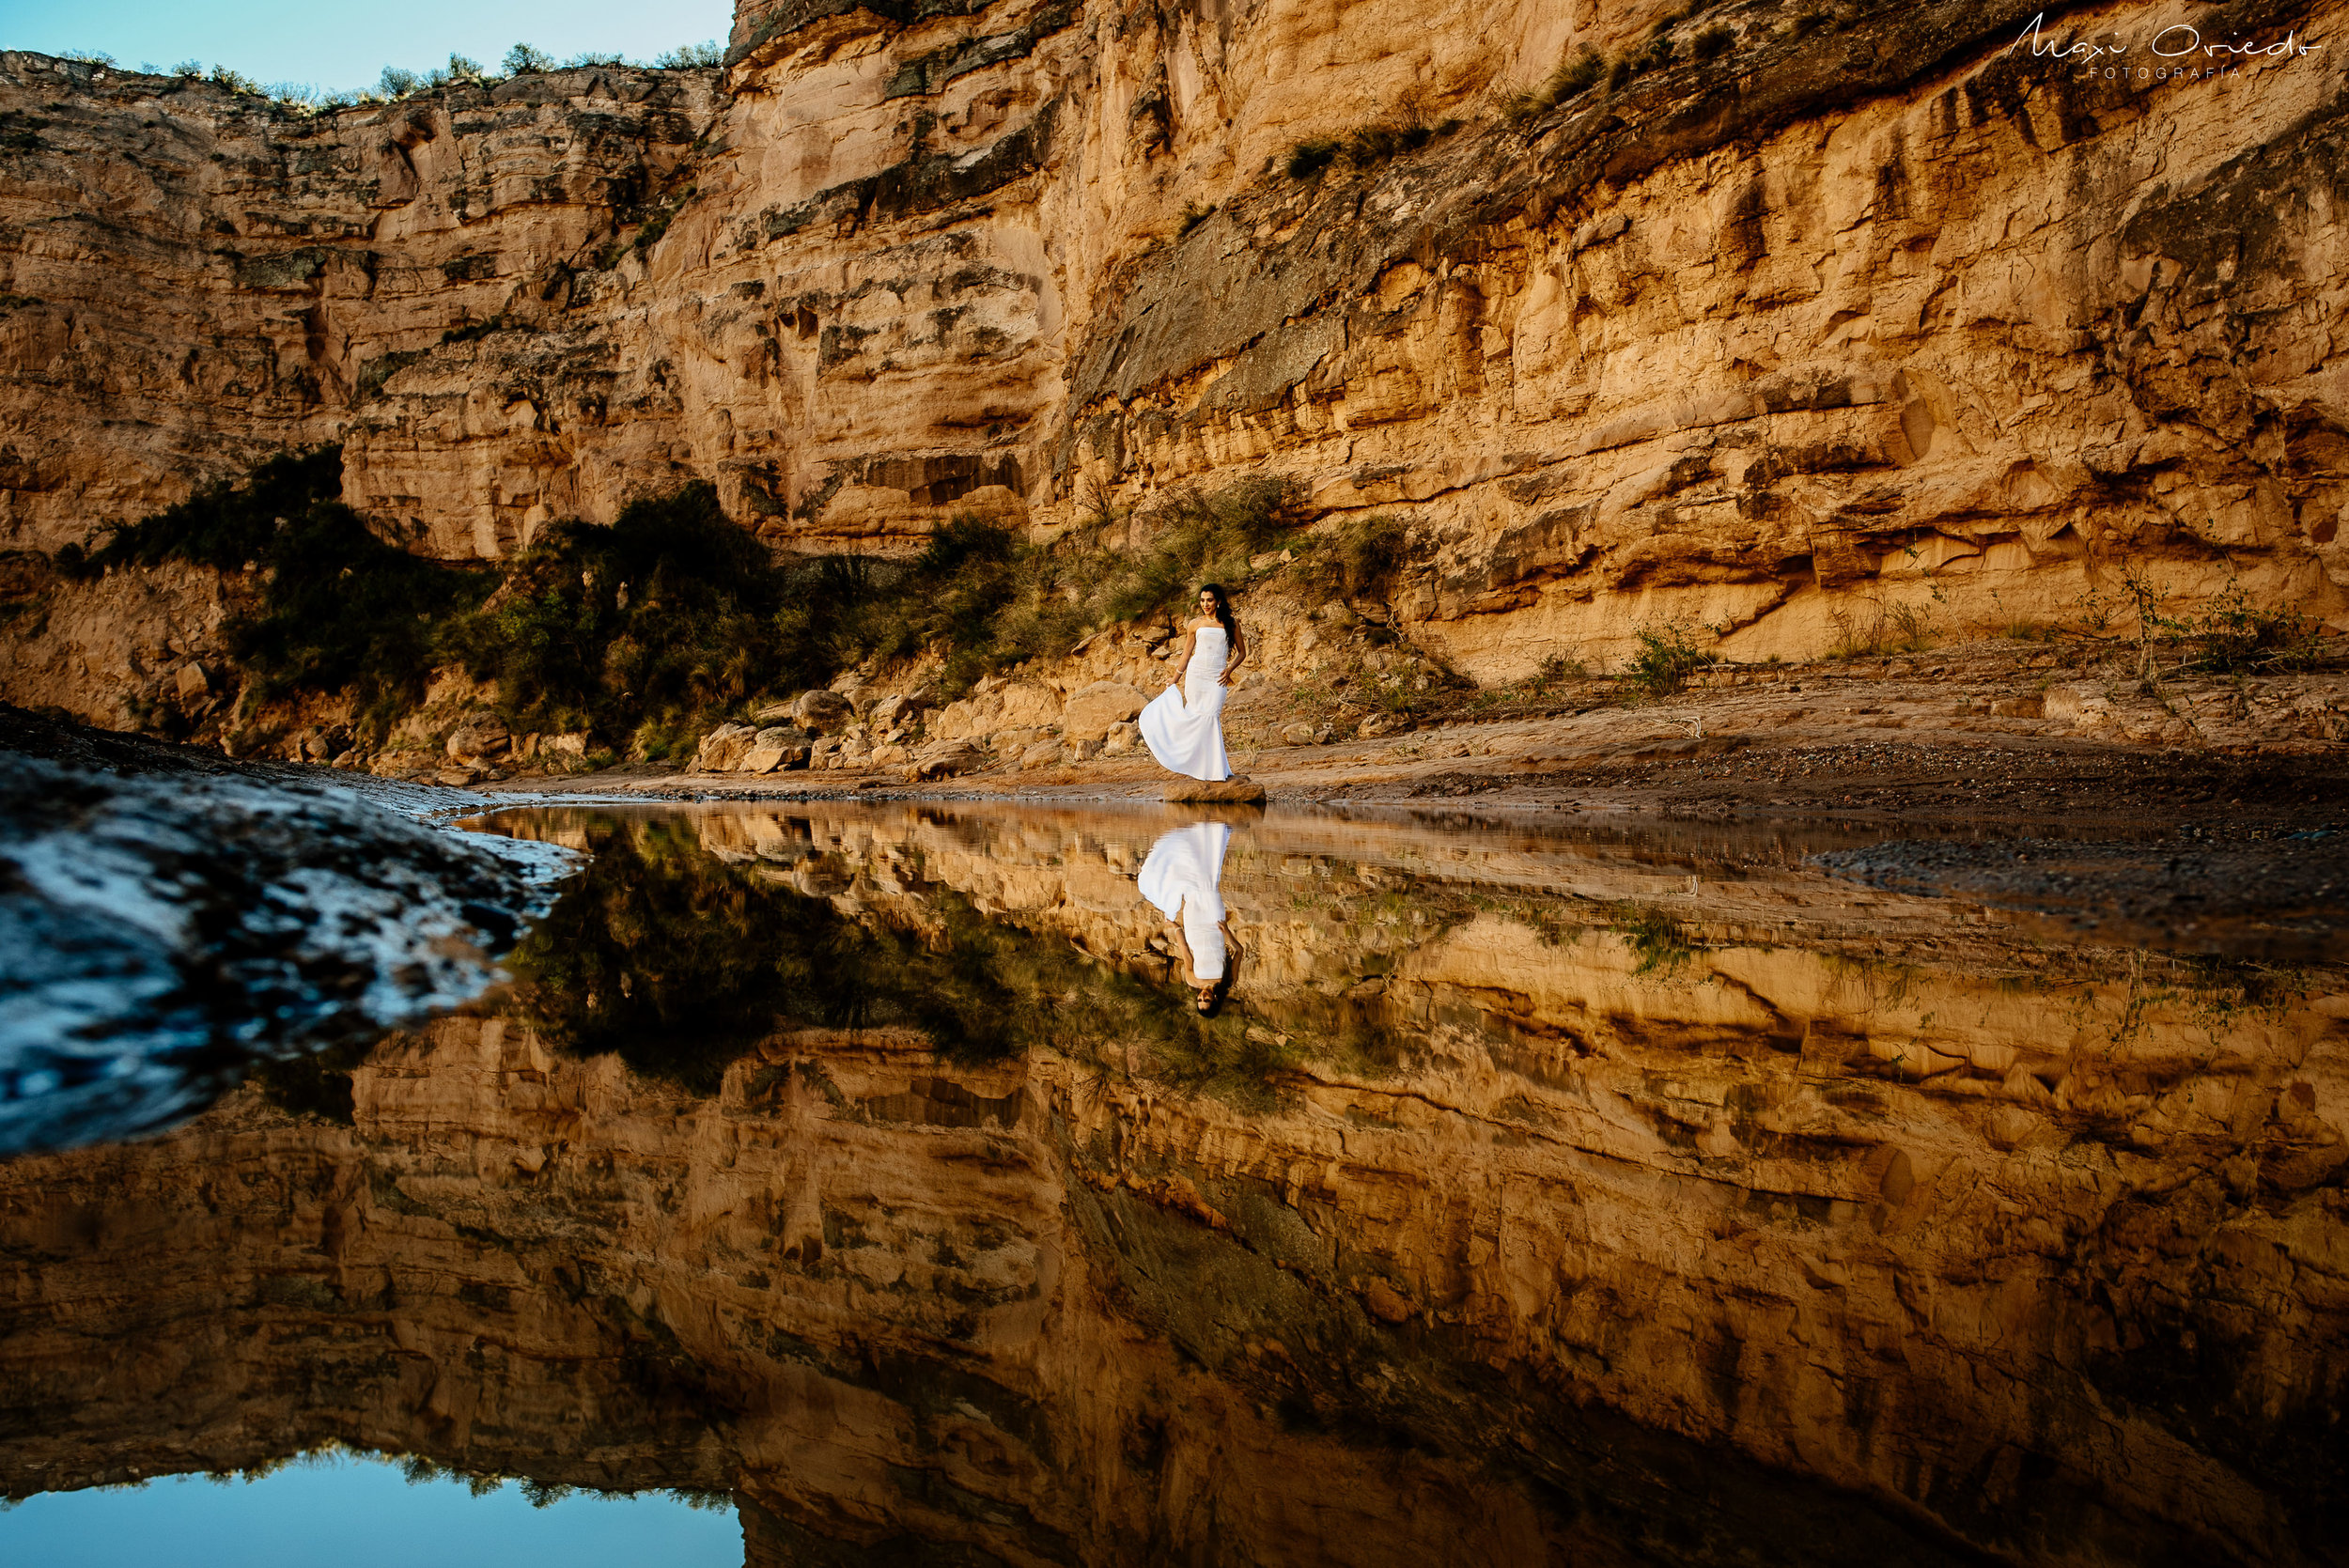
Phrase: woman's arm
(1239, 653)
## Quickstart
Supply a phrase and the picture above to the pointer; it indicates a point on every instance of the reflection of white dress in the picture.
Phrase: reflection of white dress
(1184, 724)
(1184, 877)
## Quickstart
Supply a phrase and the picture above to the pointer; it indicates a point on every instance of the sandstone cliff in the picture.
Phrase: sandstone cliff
(1818, 312)
(1779, 1223)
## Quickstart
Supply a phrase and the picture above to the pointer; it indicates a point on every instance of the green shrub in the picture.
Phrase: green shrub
(668, 616)
(2233, 636)
(1376, 144)
(1358, 558)
(1308, 159)
(1660, 943)
(1193, 215)
(1713, 42)
(985, 601)
(526, 60)
(1667, 658)
(692, 56)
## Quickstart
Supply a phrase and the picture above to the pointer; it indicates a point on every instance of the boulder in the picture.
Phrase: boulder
(944, 759)
(1297, 735)
(193, 684)
(822, 710)
(572, 743)
(1044, 754)
(1122, 740)
(1094, 709)
(722, 749)
(893, 712)
(775, 747)
(1005, 705)
(1238, 790)
(479, 733)
(1383, 723)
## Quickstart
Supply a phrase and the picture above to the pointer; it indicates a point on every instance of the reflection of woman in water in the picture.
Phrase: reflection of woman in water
(1183, 878)
(1184, 725)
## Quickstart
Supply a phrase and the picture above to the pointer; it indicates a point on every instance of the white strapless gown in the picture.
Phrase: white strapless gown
(1184, 725)
(1183, 879)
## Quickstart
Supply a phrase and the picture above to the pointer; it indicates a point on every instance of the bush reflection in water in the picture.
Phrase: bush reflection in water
(677, 961)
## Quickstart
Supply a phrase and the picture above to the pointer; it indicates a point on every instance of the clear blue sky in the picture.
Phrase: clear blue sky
(356, 1514)
(337, 45)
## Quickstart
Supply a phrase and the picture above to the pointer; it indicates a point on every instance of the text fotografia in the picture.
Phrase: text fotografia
(2176, 53)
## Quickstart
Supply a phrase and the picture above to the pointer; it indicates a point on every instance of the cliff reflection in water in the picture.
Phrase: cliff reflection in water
(1596, 1200)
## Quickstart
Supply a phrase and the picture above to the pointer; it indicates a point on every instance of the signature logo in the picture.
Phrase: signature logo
(2177, 52)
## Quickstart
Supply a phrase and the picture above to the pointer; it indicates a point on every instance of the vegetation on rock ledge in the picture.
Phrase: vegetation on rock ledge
(672, 616)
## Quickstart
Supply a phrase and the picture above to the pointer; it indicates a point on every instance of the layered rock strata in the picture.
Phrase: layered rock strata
(1904, 312)
(1803, 1225)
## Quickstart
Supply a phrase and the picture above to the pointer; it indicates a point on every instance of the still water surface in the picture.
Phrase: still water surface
(1641, 1195)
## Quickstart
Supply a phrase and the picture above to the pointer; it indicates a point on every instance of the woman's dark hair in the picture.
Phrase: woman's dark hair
(1222, 607)
(1221, 993)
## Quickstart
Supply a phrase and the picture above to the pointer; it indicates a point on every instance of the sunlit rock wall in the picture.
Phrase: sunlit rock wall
(1888, 313)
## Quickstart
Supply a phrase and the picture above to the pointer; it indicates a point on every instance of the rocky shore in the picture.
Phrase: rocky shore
(167, 919)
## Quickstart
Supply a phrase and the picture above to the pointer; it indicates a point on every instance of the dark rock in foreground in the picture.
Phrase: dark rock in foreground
(168, 918)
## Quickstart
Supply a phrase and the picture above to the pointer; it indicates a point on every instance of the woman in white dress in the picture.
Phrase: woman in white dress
(1183, 878)
(1184, 725)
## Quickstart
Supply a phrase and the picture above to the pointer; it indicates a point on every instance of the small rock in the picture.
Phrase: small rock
(1385, 1302)
(722, 749)
(822, 710)
(893, 712)
(479, 733)
(944, 759)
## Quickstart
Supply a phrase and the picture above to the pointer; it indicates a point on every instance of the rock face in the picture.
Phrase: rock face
(1779, 1222)
(1891, 314)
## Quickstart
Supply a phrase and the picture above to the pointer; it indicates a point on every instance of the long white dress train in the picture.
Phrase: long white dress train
(1183, 878)
(1183, 727)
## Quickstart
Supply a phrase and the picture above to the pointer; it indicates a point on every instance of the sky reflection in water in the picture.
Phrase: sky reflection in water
(357, 1512)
